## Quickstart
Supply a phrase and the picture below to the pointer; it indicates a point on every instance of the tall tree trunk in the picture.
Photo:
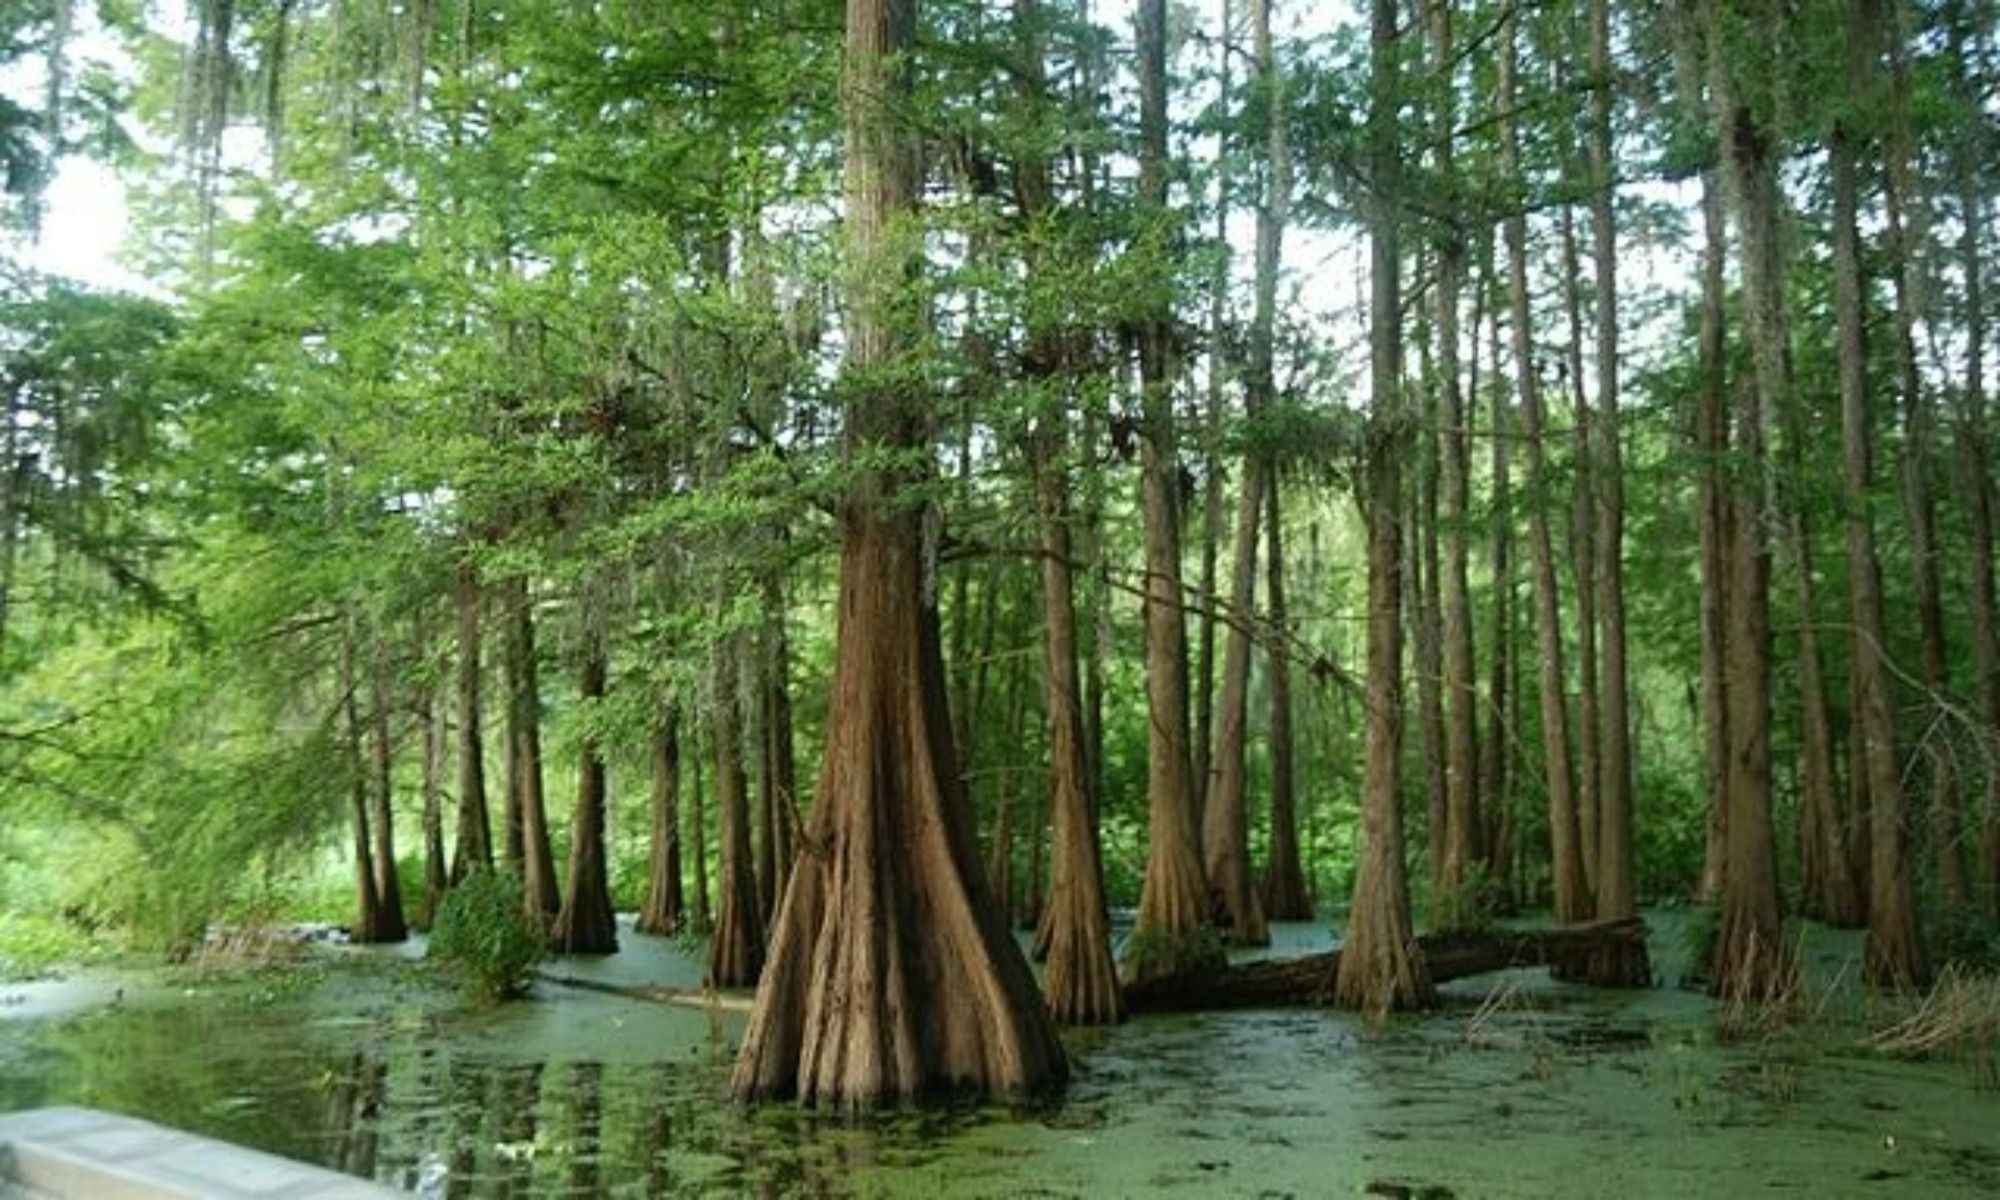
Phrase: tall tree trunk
(1617, 894)
(1381, 966)
(585, 925)
(890, 973)
(1211, 507)
(367, 902)
(1571, 899)
(1750, 957)
(1496, 777)
(1081, 983)
(1583, 558)
(704, 920)
(1827, 876)
(661, 911)
(1285, 897)
(1904, 209)
(1233, 898)
(527, 807)
(389, 924)
(474, 849)
(1427, 616)
(1894, 955)
(436, 876)
(1462, 822)
(1710, 435)
(736, 948)
(1173, 898)
(1970, 31)
(781, 773)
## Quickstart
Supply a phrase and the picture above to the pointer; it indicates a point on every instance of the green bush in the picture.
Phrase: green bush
(484, 936)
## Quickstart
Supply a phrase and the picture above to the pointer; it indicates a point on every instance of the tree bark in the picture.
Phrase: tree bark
(1285, 896)
(1211, 506)
(1571, 900)
(1970, 32)
(780, 778)
(436, 876)
(704, 920)
(736, 947)
(527, 807)
(367, 902)
(1463, 828)
(389, 924)
(1710, 435)
(585, 924)
(1081, 982)
(1894, 955)
(890, 973)
(1583, 559)
(1904, 211)
(474, 849)
(1382, 967)
(1495, 775)
(664, 904)
(1617, 894)
(1172, 901)
(1750, 954)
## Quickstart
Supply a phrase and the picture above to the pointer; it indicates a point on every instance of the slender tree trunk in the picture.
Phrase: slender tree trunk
(585, 925)
(1496, 778)
(1172, 901)
(703, 913)
(1285, 897)
(890, 973)
(1381, 966)
(1427, 614)
(1211, 508)
(664, 903)
(1617, 894)
(436, 876)
(1571, 899)
(1463, 830)
(527, 806)
(1750, 957)
(1711, 445)
(1081, 983)
(367, 902)
(1904, 209)
(1583, 558)
(1233, 899)
(1894, 955)
(389, 924)
(736, 948)
(781, 771)
(474, 848)
(1976, 147)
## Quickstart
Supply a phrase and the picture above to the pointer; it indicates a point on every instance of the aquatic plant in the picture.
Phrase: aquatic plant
(483, 935)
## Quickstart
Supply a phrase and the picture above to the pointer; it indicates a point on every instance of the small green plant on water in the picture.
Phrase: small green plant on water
(1467, 908)
(483, 935)
(1153, 953)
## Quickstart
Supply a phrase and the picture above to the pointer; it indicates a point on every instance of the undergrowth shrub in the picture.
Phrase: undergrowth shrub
(483, 935)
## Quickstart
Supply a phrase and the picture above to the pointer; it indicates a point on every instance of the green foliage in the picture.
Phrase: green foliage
(1468, 908)
(32, 943)
(483, 934)
(1158, 952)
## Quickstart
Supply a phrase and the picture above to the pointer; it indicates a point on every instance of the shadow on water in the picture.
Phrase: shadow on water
(1521, 1087)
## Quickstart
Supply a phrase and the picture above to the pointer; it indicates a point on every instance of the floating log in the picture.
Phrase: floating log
(706, 998)
(1605, 953)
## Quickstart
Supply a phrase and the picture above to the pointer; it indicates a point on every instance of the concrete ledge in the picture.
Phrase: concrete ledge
(58, 1153)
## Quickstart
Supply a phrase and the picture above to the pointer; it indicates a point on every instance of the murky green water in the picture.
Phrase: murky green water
(364, 1063)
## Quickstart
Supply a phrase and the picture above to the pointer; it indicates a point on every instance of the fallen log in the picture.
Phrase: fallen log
(1605, 953)
(657, 993)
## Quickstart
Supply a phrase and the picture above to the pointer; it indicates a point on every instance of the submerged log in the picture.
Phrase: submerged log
(705, 998)
(1574, 952)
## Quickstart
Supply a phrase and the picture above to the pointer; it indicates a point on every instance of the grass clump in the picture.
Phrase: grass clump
(483, 936)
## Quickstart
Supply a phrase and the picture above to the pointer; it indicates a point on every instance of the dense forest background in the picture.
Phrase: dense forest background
(1442, 458)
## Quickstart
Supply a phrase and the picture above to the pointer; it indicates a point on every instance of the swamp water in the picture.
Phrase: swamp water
(362, 1061)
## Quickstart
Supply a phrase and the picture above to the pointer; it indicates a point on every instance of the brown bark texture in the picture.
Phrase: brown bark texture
(736, 945)
(585, 924)
(661, 910)
(474, 846)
